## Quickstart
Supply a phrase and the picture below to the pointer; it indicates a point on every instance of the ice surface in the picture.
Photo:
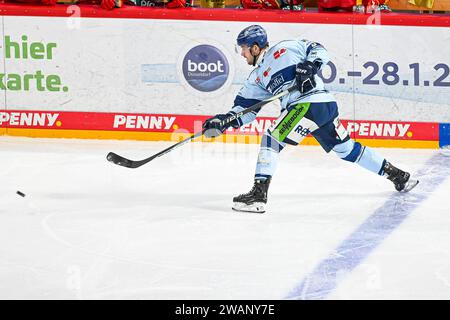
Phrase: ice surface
(88, 229)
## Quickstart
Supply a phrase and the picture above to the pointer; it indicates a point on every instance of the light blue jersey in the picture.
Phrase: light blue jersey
(275, 72)
(314, 112)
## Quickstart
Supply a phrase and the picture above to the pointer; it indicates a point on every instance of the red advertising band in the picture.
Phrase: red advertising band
(162, 126)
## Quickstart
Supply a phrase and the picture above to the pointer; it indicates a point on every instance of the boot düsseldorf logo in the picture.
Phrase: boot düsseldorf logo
(205, 68)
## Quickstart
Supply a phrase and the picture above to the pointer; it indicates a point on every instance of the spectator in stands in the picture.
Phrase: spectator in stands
(33, 2)
(110, 4)
(369, 6)
(105, 4)
(273, 4)
(335, 5)
(162, 3)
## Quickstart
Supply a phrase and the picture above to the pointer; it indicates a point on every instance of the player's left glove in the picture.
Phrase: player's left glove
(214, 126)
(304, 75)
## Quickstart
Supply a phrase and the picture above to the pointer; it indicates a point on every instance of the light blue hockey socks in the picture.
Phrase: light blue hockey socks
(268, 157)
(364, 156)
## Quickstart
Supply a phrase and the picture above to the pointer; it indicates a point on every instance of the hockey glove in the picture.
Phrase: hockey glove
(304, 75)
(214, 126)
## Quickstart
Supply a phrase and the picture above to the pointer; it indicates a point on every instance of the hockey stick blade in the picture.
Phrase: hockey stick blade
(119, 160)
(124, 162)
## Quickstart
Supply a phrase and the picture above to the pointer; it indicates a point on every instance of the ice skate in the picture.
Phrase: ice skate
(401, 179)
(255, 200)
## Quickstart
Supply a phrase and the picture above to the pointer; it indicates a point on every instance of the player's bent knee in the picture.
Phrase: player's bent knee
(349, 150)
(269, 141)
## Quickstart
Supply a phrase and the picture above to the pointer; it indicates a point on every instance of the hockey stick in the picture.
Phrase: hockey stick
(124, 162)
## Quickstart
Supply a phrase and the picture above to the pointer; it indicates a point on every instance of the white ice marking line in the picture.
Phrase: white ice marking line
(358, 245)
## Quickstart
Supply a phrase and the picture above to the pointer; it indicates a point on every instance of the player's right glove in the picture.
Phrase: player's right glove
(214, 126)
(304, 75)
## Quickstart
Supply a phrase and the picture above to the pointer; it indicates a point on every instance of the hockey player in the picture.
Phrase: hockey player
(310, 109)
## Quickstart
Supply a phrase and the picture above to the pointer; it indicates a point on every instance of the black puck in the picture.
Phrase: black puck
(20, 193)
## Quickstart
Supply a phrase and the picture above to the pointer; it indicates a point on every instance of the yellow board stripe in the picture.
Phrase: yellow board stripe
(90, 134)
(167, 136)
(419, 144)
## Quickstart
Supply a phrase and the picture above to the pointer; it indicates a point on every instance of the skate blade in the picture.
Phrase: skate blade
(410, 185)
(257, 207)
